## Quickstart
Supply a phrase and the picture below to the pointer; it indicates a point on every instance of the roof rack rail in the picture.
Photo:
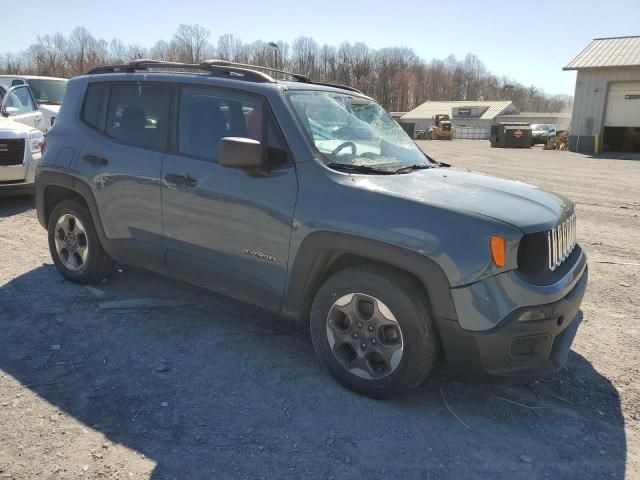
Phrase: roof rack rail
(214, 67)
(226, 63)
(339, 85)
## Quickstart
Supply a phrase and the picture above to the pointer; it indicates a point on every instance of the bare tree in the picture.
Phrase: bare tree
(191, 42)
(305, 53)
(160, 51)
(395, 76)
(229, 47)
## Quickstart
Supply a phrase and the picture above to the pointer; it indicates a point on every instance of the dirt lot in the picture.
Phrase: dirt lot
(219, 389)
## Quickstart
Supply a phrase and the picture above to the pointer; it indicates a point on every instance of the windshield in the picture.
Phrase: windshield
(539, 126)
(48, 91)
(356, 131)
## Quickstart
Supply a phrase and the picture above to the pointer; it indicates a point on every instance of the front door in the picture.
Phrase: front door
(227, 228)
(125, 140)
(18, 105)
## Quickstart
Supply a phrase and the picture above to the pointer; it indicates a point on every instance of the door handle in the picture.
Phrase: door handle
(184, 180)
(95, 160)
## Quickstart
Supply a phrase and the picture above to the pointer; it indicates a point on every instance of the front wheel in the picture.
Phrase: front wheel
(74, 245)
(372, 328)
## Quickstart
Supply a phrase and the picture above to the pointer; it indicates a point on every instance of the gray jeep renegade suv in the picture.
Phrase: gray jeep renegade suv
(309, 200)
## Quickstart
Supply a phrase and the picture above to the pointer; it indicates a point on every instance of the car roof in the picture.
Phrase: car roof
(251, 78)
(33, 77)
(203, 78)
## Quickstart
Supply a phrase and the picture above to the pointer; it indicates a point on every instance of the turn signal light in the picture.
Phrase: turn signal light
(498, 249)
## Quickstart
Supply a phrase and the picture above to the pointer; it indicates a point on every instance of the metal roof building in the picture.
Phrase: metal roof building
(606, 108)
(471, 118)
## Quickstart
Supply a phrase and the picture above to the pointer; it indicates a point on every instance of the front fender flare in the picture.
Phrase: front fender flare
(319, 250)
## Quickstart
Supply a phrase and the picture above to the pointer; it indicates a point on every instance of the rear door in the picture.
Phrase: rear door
(18, 105)
(228, 228)
(121, 159)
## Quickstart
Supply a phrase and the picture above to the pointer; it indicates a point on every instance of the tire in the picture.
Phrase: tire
(71, 228)
(367, 287)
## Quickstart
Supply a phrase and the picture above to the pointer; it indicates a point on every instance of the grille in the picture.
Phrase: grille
(524, 346)
(531, 345)
(560, 242)
(11, 151)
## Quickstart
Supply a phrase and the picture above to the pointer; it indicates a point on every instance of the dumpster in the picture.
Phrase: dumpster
(511, 135)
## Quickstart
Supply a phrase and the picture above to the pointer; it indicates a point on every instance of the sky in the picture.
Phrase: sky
(527, 41)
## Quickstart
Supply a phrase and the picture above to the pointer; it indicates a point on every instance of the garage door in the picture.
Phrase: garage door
(623, 105)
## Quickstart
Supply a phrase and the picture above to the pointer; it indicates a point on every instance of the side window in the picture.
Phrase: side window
(93, 112)
(138, 114)
(17, 81)
(19, 101)
(206, 115)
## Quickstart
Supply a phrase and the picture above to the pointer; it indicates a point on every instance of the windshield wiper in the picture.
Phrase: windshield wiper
(50, 102)
(350, 167)
(415, 166)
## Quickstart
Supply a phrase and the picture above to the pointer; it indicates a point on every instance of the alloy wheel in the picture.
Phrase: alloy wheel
(71, 242)
(364, 336)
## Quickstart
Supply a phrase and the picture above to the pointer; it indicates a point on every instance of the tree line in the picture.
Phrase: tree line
(395, 76)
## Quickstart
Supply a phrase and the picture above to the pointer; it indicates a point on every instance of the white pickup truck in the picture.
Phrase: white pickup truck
(48, 93)
(20, 140)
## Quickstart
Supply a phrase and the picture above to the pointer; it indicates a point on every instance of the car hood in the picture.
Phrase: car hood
(11, 129)
(51, 109)
(519, 204)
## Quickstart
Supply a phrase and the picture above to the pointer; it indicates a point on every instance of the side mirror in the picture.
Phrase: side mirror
(240, 152)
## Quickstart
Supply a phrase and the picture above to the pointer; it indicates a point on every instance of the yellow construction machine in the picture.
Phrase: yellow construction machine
(442, 128)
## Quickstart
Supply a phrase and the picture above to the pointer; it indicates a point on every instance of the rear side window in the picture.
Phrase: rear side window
(93, 112)
(138, 114)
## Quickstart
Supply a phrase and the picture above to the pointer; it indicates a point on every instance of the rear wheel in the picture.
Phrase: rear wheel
(371, 327)
(74, 245)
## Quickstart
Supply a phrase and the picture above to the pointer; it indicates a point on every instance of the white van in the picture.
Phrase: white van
(48, 93)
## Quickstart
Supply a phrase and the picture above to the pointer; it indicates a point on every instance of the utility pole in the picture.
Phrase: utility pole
(276, 51)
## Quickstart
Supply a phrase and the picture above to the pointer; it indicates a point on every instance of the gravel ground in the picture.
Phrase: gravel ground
(220, 389)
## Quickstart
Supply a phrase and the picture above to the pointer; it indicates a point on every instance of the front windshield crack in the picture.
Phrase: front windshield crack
(351, 130)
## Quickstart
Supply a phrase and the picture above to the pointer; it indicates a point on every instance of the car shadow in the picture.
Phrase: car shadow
(218, 388)
(10, 206)
(615, 156)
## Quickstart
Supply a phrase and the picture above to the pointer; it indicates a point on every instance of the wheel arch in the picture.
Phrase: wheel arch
(322, 254)
(53, 187)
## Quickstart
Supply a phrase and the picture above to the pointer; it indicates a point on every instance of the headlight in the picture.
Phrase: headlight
(36, 141)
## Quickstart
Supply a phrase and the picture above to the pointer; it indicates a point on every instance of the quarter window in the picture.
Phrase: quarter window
(138, 114)
(93, 111)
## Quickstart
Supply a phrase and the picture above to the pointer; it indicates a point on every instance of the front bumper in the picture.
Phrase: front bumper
(9, 189)
(513, 347)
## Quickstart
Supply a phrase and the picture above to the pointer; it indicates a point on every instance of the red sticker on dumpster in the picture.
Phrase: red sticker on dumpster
(517, 133)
